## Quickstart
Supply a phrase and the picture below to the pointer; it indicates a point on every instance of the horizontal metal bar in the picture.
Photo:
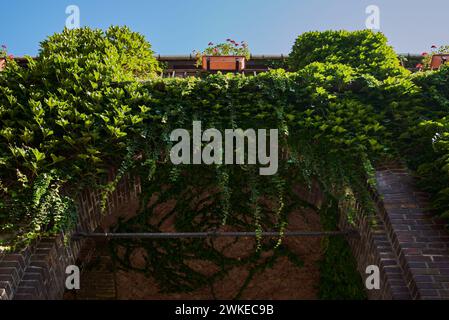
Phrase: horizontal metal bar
(211, 234)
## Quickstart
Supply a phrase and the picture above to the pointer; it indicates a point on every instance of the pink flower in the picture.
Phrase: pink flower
(419, 66)
(424, 54)
(11, 56)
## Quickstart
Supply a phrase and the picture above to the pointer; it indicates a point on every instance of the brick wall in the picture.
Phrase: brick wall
(420, 240)
(407, 243)
(373, 247)
(38, 271)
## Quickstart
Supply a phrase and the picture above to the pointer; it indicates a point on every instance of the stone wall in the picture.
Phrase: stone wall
(38, 271)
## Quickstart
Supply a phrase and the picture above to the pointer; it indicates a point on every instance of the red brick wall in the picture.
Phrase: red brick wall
(38, 271)
(373, 247)
(420, 240)
(409, 245)
(406, 241)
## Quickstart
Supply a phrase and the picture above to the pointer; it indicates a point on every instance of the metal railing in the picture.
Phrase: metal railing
(210, 234)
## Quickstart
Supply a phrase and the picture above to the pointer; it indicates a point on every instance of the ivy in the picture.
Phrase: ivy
(81, 108)
(127, 125)
(197, 207)
(339, 278)
(364, 50)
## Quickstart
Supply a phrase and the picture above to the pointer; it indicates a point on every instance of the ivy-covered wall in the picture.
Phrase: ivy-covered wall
(56, 135)
(79, 108)
(82, 107)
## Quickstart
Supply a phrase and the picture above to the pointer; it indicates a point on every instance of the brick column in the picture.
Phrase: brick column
(420, 240)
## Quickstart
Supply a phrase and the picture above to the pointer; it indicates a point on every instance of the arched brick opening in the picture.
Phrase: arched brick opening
(408, 244)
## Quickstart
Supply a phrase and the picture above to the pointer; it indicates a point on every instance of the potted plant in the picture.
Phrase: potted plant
(437, 58)
(230, 55)
(4, 57)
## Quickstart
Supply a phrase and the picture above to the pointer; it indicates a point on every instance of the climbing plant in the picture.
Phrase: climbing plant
(422, 129)
(196, 207)
(82, 107)
(62, 120)
(80, 133)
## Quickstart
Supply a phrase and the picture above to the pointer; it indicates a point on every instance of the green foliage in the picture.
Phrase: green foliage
(81, 128)
(117, 54)
(63, 114)
(435, 172)
(79, 109)
(422, 126)
(364, 50)
(42, 206)
(339, 278)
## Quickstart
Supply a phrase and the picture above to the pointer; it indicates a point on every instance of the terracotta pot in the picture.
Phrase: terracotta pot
(2, 63)
(438, 60)
(232, 63)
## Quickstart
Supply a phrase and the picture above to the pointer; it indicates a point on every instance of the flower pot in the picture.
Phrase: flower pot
(438, 60)
(231, 63)
(2, 63)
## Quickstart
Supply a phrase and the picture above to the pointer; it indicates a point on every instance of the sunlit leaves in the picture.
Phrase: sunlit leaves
(72, 113)
(364, 50)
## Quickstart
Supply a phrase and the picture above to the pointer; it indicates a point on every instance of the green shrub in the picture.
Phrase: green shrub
(424, 138)
(117, 54)
(62, 117)
(365, 51)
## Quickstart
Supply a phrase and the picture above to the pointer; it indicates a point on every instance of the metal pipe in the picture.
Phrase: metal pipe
(211, 234)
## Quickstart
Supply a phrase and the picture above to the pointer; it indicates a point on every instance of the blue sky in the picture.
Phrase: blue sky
(269, 26)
